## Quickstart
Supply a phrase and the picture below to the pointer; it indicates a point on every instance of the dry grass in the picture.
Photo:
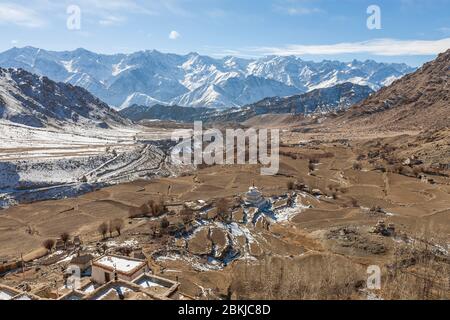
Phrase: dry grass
(324, 277)
(420, 271)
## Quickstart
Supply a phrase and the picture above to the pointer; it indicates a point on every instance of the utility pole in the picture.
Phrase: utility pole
(22, 264)
(57, 292)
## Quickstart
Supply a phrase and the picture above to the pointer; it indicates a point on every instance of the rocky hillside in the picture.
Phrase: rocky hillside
(163, 112)
(37, 101)
(418, 101)
(339, 97)
(325, 100)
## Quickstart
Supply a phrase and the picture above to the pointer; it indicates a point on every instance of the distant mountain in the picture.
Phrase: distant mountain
(325, 100)
(420, 100)
(151, 77)
(163, 112)
(37, 101)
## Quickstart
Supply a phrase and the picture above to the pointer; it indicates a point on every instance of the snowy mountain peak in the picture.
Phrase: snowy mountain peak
(193, 79)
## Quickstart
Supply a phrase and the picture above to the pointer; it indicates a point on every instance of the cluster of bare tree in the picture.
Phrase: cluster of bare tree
(320, 277)
(149, 209)
(418, 270)
(115, 225)
(50, 243)
(187, 215)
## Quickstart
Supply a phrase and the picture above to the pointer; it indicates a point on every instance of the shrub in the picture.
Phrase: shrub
(65, 237)
(103, 229)
(135, 212)
(164, 223)
(417, 171)
(398, 168)
(159, 208)
(376, 209)
(145, 209)
(116, 225)
(357, 166)
(290, 185)
(187, 215)
(223, 208)
(48, 244)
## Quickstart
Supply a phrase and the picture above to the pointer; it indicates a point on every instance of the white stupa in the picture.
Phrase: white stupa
(254, 198)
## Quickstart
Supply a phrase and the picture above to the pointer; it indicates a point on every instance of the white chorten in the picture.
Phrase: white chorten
(254, 198)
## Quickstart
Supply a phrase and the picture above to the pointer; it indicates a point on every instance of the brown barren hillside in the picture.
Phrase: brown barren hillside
(418, 101)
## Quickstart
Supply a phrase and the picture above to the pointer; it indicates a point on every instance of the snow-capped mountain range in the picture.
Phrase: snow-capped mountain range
(151, 77)
(37, 101)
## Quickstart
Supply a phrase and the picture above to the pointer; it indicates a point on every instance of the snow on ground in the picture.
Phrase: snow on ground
(121, 264)
(48, 163)
(120, 289)
(194, 261)
(241, 230)
(5, 295)
(148, 283)
(68, 258)
(90, 288)
(20, 136)
(287, 213)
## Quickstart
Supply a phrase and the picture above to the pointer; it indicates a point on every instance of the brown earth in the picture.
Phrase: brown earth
(417, 209)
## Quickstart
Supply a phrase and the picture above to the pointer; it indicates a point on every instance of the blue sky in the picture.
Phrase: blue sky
(412, 31)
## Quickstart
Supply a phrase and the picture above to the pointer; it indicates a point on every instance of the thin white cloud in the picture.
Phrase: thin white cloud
(131, 6)
(216, 13)
(296, 7)
(174, 7)
(302, 11)
(174, 35)
(380, 47)
(18, 15)
(111, 21)
(445, 30)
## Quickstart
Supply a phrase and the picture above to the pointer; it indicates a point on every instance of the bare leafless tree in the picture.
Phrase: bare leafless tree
(223, 208)
(116, 225)
(65, 236)
(103, 229)
(48, 244)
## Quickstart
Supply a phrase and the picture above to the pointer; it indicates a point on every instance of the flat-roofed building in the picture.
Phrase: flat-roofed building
(8, 293)
(106, 268)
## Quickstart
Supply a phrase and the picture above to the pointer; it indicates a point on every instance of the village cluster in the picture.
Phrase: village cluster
(119, 272)
(103, 271)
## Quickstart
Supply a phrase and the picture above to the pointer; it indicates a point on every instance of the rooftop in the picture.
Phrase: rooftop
(83, 259)
(121, 264)
(8, 293)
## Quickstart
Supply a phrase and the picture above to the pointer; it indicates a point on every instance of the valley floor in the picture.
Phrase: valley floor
(318, 246)
(45, 163)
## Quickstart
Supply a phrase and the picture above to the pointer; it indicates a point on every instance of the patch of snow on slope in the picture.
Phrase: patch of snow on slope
(119, 68)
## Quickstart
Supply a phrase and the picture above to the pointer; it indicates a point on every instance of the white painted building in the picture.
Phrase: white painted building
(105, 268)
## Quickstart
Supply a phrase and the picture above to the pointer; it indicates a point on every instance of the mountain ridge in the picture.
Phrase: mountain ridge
(153, 77)
(37, 101)
(324, 100)
(418, 101)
